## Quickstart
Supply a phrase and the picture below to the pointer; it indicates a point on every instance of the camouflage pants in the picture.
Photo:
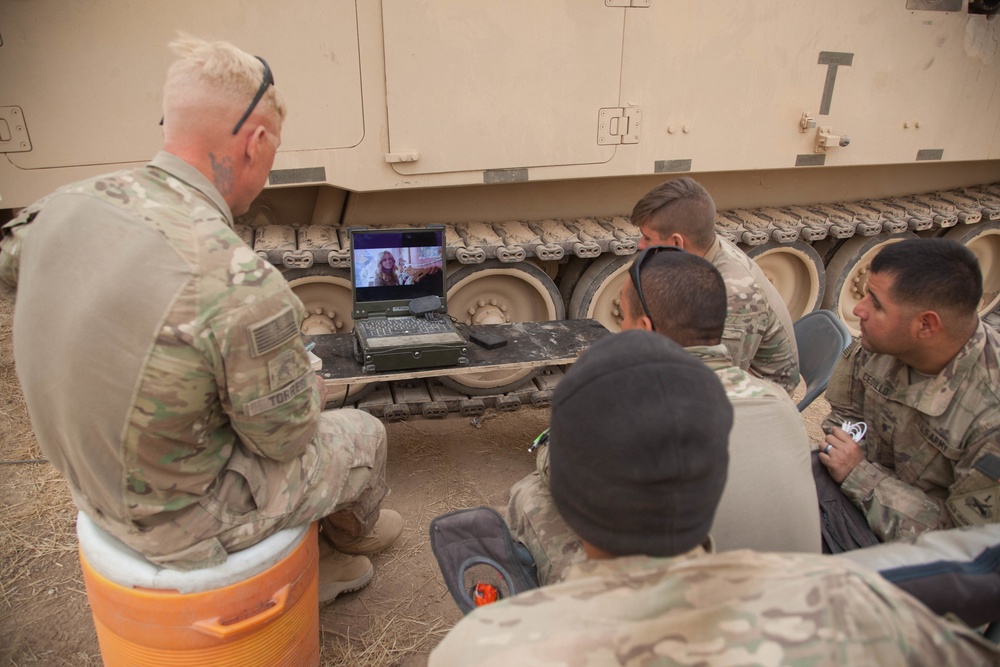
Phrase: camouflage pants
(340, 475)
(535, 522)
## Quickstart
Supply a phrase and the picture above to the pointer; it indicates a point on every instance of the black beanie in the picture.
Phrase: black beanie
(638, 446)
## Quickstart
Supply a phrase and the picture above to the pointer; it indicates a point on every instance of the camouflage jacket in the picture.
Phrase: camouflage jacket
(155, 350)
(758, 330)
(932, 449)
(739, 384)
(733, 608)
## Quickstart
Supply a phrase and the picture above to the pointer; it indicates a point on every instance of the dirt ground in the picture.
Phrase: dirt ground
(434, 466)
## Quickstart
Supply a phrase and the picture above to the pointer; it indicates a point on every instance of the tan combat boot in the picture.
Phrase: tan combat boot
(387, 529)
(341, 573)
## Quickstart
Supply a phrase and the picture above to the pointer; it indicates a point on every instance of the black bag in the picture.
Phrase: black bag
(842, 524)
(479, 559)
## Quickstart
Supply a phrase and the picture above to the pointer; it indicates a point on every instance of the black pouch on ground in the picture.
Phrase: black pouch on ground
(478, 557)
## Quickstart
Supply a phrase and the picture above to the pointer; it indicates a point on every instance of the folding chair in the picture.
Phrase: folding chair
(821, 338)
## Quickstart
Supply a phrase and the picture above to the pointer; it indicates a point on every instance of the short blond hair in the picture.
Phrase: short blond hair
(218, 71)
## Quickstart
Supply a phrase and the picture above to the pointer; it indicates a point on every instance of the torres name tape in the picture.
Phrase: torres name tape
(280, 397)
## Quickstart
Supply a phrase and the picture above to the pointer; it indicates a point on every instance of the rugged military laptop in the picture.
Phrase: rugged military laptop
(400, 319)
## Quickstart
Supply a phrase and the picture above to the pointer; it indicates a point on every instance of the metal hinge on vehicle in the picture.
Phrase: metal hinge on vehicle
(13, 131)
(618, 126)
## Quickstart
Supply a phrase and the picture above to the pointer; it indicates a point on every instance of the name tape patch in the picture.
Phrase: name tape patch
(280, 397)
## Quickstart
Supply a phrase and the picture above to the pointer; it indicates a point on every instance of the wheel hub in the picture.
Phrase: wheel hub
(321, 321)
(487, 312)
(859, 283)
(616, 310)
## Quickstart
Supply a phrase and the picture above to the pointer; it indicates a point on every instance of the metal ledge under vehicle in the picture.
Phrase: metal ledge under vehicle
(530, 128)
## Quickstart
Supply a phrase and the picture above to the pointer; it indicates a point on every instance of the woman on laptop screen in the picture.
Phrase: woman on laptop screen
(387, 274)
(395, 265)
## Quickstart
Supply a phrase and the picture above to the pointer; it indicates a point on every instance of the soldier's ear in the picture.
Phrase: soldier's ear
(927, 324)
(255, 143)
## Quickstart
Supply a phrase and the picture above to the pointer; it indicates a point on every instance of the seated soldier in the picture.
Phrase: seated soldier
(759, 331)
(769, 503)
(651, 591)
(925, 380)
(185, 415)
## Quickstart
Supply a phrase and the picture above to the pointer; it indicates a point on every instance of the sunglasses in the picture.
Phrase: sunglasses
(635, 272)
(268, 81)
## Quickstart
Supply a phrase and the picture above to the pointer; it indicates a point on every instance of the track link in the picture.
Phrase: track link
(547, 240)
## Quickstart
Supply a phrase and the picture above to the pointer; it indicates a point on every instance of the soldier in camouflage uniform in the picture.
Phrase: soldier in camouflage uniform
(925, 379)
(758, 332)
(651, 591)
(769, 502)
(161, 359)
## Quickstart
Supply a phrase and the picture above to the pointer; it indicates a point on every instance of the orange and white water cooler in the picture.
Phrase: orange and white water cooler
(258, 609)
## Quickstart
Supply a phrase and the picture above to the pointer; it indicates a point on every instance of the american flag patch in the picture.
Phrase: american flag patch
(271, 333)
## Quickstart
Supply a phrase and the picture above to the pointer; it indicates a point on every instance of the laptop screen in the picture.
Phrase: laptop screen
(389, 267)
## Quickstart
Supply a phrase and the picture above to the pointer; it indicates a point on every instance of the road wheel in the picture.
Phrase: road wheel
(569, 277)
(326, 294)
(984, 241)
(796, 271)
(497, 293)
(597, 292)
(847, 274)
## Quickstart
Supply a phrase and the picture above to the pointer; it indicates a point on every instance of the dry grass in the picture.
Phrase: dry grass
(37, 522)
(392, 627)
(38, 529)
(394, 632)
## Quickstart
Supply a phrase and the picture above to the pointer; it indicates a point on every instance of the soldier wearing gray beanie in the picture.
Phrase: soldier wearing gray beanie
(642, 473)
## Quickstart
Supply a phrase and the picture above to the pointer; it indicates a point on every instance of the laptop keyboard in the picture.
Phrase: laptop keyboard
(398, 326)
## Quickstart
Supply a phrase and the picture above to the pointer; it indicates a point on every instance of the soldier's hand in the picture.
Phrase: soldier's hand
(840, 454)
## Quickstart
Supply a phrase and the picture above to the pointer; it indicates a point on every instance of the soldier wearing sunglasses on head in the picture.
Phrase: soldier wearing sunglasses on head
(758, 330)
(174, 392)
(769, 502)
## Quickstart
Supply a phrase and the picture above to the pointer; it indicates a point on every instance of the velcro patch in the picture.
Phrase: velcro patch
(282, 369)
(271, 333)
(280, 397)
(989, 465)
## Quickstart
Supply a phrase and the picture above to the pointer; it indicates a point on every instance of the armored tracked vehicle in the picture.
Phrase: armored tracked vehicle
(530, 128)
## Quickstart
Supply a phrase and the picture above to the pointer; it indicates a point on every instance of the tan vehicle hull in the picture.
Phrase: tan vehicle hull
(530, 129)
